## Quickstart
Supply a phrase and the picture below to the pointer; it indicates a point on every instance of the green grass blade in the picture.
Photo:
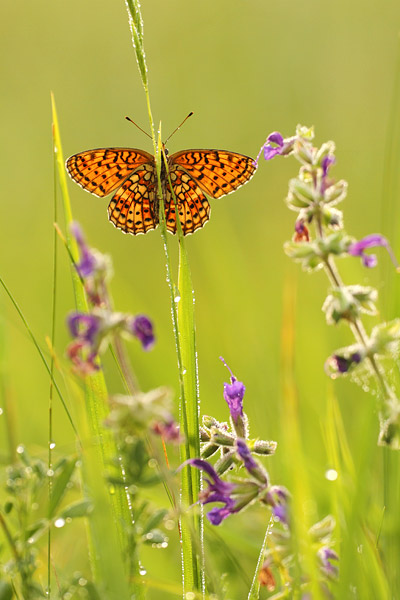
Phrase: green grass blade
(111, 510)
(254, 592)
(189, 415)
(40, 352)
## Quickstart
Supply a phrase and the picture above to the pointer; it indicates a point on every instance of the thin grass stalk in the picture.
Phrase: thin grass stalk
(292, 443)
(52, 339)
(254, 592)
(7, 407)
(111, 510)
(189, 408)
(40, 352)
(184, 333)
(391, 306)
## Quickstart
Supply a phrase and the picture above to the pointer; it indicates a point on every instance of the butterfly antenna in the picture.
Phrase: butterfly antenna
(179, 126)
(142, 130)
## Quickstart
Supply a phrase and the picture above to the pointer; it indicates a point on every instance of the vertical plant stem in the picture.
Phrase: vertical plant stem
(356, 325)
(184, 332)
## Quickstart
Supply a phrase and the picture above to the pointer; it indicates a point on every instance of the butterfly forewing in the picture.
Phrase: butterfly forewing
(217, 172)
(103, 170)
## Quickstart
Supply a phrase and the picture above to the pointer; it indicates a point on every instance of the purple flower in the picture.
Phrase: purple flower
(343, 364)
(217, 491)
(169, 431)
(271, 150)
(87, 265)
(233, 394)
(142, 328)
(301, 231)
(82, 357)
(327, 162)
(245, 455)
(326, 554)
(277, 497)
(83, 350)
(371, 241)
(251, 465)
(83, 326)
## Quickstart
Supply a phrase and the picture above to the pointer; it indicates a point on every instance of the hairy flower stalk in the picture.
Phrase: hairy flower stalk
(314, 195)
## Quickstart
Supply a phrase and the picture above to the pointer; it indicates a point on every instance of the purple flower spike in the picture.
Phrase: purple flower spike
(233, 394)
(83, 326)
(142, 328)
(87, 265)
(371, 241)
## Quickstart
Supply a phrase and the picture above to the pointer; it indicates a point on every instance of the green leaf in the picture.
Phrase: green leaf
(82, 508)
(154, 520)
(155, 536)
(35, 531)
(60, 483)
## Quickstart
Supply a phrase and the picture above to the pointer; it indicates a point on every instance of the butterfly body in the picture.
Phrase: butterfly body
(131, 174)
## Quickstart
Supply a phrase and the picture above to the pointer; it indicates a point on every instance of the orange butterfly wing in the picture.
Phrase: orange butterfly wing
(132, 174)
(133, 206)
(217, 172)
(102, 171)
(192, 205)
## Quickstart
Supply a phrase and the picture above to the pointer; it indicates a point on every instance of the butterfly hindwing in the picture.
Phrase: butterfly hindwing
(217, 172)
(193, 207)
(102, 171)
(132, 208)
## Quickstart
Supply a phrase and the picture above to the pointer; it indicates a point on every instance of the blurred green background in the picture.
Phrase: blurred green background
(245, 68)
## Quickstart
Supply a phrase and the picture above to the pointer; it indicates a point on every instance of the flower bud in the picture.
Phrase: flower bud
(336, 192)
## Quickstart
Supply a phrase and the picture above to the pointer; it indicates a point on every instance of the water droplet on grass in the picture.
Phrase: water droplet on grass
(59, 523)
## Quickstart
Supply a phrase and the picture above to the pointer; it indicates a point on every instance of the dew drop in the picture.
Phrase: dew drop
(59, 523)
(20, 449)
(82, 581)
(142, 570)
(331, 474)
(50, 473)
(177, 298)
(1, 411)
(52, 445)
(190, 596)
(360, 549)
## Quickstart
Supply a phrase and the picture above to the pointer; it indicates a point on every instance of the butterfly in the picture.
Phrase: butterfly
(131, 174)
